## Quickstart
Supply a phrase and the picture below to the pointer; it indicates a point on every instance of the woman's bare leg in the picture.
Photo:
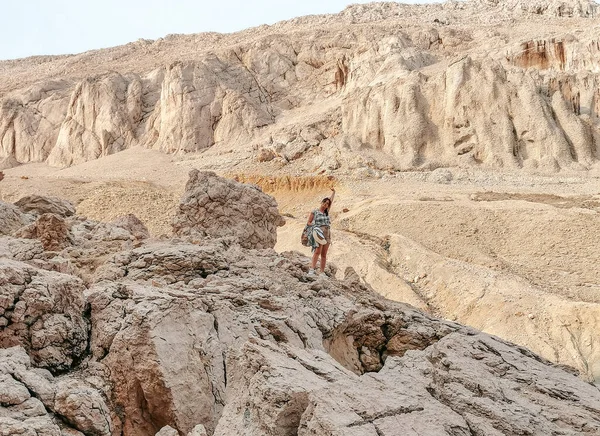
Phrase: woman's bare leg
(316, 257)
(323, 256)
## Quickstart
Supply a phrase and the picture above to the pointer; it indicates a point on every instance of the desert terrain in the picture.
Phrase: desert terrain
(463, 141)
(509, 253)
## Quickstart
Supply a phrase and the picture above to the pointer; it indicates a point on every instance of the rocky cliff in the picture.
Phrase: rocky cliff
(106, 332)
(493, 83)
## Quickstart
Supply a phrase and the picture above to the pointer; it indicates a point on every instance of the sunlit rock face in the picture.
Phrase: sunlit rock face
(115, 333)
(498, 84)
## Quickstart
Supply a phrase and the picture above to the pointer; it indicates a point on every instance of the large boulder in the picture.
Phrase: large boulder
(83, 407)
(214, 206)
(44, 312)
(39, 204)
(50, 229)
(133, 225)
(11, 218)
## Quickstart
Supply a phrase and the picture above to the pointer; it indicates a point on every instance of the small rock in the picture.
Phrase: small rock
(169, 431)
(199, 430)
(266, 155)
(441, 175)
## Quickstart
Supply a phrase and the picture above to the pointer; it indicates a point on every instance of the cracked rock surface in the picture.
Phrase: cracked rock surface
(39, 204)
(189, 336)
(217, 207)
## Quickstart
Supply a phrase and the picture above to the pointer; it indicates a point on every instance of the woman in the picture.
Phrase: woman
(320, 218)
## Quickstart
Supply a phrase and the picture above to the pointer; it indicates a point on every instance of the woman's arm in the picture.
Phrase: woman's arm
(332, 197)
(311, 217)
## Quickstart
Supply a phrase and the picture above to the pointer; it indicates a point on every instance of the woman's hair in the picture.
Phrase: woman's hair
(326, 211)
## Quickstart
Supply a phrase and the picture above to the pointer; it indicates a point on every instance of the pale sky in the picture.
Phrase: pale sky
(40, 27)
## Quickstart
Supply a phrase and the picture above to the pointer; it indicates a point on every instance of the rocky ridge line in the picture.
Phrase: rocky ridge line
(499, 84)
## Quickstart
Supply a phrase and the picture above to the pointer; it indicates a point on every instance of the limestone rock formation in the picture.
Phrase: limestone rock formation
(493, 83)
(33, 402)
(51, 230)
(42, 311)
(11, 218)
(132, 224)
(38, 204)
(71, 245)
(83, 407)
(212, 206)
(196, 336)
(559, 8)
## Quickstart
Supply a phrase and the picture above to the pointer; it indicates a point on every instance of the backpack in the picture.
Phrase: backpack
(304, 236)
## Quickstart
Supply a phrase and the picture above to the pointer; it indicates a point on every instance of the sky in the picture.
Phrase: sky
(45, 27)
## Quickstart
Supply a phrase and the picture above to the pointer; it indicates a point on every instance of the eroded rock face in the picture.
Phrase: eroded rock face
(39, 205)
(262, 332)
(409, 95)
(218, 207)
(11, 218)
(43, 312)
(252, 298)
(51, 230)
(558, 8)
(100, 119)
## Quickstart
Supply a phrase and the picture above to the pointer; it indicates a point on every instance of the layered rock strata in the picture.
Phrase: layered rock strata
(500, 84)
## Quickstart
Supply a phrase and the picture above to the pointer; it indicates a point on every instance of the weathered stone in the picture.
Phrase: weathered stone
(165, 262)
(45, 314)
(219, 207)
(11, 218)
(11, 391)
(40, 205)
(316, 340)
(133, 225)
(20, 249)
(36, 426)
(50, 229)
(83, 407)
(167, 431)
(199, 430)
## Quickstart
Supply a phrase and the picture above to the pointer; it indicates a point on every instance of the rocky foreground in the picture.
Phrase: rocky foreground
(107, 332)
